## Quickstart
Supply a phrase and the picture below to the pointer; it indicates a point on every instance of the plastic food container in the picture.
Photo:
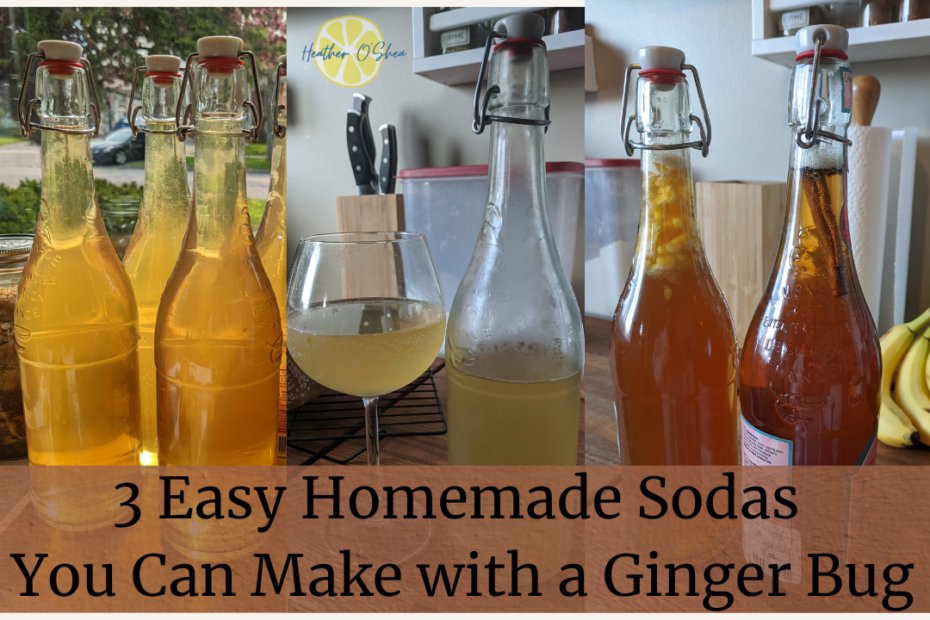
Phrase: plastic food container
(446, 205)
(611, 220)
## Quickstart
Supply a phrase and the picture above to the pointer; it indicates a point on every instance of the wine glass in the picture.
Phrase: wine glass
(365, 315)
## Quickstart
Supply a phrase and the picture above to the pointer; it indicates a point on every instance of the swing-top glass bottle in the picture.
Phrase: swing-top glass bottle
(810, 373)
(514, 341)
(271, 238)
(76, 323)
(218, 331)
(163, 218)
(673, 348)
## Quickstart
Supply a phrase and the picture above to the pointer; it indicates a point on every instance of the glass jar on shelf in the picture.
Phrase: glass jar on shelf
(14, 252)
(912, 10)
(792, 21)
(878, 12)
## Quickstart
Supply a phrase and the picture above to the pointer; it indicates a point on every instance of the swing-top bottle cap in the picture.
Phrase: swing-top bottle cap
(837, 38)
(659, 57)
(64, 51)
(282, 59)
(522, 26)
(219, 47)
(162, 64)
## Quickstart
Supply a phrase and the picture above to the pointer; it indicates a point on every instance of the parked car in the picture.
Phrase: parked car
(118, 147)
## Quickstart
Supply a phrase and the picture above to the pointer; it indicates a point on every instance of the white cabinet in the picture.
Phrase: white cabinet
(566, 50)
(884, 42)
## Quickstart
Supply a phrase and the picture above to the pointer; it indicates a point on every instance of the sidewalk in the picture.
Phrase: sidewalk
(22, 161)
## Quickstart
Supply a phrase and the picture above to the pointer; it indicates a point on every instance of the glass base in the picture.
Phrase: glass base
(377, 540)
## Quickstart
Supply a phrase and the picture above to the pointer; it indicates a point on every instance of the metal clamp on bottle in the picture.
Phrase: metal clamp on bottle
(521, 26)
(807, 136)
(186, 128)
(69, 55)
(702, 145)
(159, 68)
(279, 130)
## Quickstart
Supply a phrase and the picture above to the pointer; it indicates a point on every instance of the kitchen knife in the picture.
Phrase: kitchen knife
(362, 103)
(358, 156)
(388, 165)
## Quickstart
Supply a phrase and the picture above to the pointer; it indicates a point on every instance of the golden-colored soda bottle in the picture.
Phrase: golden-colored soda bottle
(76, 324)
(271, 239)
(218, 332)
(162, 224)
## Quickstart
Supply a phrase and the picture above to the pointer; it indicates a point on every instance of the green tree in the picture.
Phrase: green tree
(116, 40)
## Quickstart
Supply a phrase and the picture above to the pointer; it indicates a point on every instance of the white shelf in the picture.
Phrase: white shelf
(566, 51)
(884, 42)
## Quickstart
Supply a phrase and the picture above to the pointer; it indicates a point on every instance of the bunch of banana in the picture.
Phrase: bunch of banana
(904, 419)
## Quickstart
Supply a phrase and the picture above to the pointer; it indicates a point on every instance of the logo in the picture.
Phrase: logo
(349, 51)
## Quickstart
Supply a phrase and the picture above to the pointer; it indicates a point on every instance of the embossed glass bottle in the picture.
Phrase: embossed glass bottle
(218, 332)
(163, 218)
(810, 372)
(76, 324)
(514, 341)
(271, 238)
(673, 349)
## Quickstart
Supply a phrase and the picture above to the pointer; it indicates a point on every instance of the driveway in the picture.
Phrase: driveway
(22, 161)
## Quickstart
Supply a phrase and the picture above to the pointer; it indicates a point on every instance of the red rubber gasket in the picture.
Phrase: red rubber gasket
(823, 54)
(520, 42)
(60, 67)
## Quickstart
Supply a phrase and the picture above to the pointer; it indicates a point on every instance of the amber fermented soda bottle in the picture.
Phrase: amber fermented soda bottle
(76, 324)
(271, 238)
(673, 349)
(218, 331)
(163, 217)
(810, 373)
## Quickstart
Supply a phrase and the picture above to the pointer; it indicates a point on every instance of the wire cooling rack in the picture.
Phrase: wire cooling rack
(329, 426)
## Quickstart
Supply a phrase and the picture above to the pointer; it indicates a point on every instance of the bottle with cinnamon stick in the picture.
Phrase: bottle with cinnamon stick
(810, 372)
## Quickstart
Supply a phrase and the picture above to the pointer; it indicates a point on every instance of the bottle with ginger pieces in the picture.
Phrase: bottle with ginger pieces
(673, 348)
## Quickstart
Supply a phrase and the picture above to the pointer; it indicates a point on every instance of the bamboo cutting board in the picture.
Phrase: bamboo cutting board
(372, 213)
(741, 225)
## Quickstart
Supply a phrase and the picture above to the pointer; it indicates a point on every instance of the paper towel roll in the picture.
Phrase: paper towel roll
(898, 232)
(869, 169)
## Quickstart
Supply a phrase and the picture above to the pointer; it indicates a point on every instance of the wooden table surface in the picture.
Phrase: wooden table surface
(601, 426)
(428, 450)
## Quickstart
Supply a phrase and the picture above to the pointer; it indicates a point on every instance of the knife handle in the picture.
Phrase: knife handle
(358, 155)
(388, 164)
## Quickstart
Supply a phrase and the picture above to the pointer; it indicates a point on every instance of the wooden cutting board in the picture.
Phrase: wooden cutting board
(741, 224)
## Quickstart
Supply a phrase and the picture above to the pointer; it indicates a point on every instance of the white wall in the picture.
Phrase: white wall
(747, 99)
(433, 120)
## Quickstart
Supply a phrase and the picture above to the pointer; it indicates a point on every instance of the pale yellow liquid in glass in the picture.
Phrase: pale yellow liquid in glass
(76, 324)
(218, 334)
(152, 256)
(367, 347)
(271, 241)
(494, 422)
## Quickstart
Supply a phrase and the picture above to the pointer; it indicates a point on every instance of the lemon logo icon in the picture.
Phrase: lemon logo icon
(353, 45)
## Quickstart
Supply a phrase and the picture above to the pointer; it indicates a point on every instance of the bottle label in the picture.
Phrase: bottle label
(846, 75)
(868, 454)
(455, 38)
(795, 20)
(282, 407)
(763, 449)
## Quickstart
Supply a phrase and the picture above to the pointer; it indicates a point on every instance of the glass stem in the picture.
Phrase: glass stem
(371, 430)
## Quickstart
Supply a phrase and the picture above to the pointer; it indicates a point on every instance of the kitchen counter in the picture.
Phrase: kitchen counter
(601, 426)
